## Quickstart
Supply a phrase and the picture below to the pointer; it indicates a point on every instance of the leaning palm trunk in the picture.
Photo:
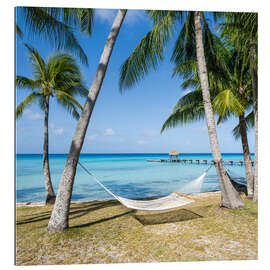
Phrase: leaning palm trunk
(247, 159)
(50, 195)
(255, 110)
(59, 217)
(230, 198)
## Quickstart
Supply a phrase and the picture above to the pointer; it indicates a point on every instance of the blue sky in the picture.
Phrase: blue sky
(120, 123)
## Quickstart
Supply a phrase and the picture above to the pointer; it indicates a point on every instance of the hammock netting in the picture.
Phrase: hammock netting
(171, 201)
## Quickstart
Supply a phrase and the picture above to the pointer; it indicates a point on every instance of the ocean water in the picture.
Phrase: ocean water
(127, 175)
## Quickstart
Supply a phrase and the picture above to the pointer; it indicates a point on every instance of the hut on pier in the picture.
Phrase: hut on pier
(173, 155)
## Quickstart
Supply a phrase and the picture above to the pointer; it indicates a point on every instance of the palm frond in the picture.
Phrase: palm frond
(157, 16)
(148, 53)
(185, 114)
(28, 101)
(27, 83)
(44, 22)
(185, 45)
(68, 105)
(38, 64)
(18, 31)
(62, 94)
(192, 98)
(189, 108)
(225, 103)
(86, 17)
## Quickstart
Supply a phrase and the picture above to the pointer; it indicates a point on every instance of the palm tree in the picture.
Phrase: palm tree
(236, 99)
(149, 52)
(227, 96)
(59, 78)
(60, 213)
(242, 29)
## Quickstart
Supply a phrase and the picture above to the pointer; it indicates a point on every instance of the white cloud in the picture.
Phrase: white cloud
(56, 131)
(32, 115)
(109, 132)
(133, 16)
(150, 133)
(59, 131)
(141, 142)
(106, 15)
(92, 137)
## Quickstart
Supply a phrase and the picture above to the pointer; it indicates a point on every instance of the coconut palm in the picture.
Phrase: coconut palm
(60, 213)
(242, 29)
(56, 25)
(58, 78)
(236, 99)
(149, 52)
(229, 96)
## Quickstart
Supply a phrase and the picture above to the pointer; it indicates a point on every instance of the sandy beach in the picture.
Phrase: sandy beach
(35, 204)
(108, 232)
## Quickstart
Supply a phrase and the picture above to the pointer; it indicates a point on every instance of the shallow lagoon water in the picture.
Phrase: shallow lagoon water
(127, 175)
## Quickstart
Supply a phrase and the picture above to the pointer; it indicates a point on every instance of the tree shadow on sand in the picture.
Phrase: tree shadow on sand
(146, 218)
(75, 211)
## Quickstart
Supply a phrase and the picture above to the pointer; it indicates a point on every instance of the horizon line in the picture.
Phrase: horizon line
(103, 153)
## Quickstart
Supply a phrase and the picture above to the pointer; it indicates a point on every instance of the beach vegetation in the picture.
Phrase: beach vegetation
(231, 96)
(56, 26)
(59, 78)
(242, 31)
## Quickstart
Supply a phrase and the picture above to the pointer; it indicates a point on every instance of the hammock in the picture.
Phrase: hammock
(237, 179)
(171, 201)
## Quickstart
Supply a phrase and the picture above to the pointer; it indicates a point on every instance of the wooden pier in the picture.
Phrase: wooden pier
(199, 161)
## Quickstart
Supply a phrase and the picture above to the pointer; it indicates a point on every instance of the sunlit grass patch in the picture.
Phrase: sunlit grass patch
(107, 232)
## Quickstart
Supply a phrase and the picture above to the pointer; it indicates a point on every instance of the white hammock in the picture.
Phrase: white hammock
(171, 201)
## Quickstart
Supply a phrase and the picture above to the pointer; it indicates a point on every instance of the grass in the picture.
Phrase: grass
(107, 232)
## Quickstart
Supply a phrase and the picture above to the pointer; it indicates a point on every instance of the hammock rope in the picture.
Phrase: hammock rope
(171, 201)
(236, 178)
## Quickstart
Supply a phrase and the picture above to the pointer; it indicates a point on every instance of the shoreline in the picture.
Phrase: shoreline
(37, 204)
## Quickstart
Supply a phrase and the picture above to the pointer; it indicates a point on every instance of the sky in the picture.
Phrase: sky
(128, 122)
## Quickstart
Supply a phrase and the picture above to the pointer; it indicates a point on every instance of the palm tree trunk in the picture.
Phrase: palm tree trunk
(59, 217)
(50, 195)
(255, 110)
(230, 198)
(247, 159)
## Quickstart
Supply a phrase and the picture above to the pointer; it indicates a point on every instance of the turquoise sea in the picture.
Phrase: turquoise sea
(127, 175)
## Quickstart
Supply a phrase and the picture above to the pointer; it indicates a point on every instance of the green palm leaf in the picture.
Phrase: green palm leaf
(44, 22)
(69, 105)
(64, 95)
(148, 53)
(189, 108)
(226, 102)
(27, 102)
(38, 64)
(18, 31)
(27, 83)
